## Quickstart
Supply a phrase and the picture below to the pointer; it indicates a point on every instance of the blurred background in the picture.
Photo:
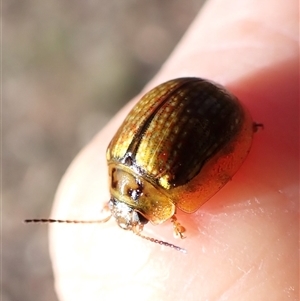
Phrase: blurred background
(68, 66)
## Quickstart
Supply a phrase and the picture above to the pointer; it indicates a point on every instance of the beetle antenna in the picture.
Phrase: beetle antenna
(66, 221)
(161, 242)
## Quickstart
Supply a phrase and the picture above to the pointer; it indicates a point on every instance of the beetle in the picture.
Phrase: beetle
(179, 145)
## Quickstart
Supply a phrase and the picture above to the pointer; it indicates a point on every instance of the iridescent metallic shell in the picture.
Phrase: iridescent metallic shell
(184, 140)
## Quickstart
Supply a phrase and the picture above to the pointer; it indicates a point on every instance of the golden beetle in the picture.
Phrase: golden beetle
(180, 144)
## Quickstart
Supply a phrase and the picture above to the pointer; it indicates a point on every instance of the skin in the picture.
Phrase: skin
(243, 243)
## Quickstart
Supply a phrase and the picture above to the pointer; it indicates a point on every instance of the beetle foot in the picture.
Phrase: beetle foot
(257, 126)
(178, 228)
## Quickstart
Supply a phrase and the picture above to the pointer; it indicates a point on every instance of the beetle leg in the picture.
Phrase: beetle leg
(105, 209)
(177, 228)
(257, 126)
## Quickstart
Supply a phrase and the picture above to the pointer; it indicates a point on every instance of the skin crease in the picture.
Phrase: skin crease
(243, 243)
